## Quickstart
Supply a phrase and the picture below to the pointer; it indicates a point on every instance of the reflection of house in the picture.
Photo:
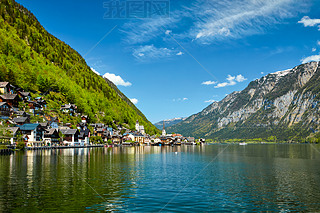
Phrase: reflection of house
(21, 120)
(51, 136)
(5, 109)
(70, 135)
(32, 132)
(11, 99)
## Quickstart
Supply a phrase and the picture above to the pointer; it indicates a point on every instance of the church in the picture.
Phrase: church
(139, 128)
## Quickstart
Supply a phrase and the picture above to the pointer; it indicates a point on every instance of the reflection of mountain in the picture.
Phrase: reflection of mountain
(283, 104)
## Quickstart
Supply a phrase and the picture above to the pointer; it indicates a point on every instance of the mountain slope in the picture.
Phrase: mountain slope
(282, 104)
(168, 123)
(35, 60)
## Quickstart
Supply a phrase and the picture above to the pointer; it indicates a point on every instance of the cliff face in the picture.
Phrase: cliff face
(283, 104)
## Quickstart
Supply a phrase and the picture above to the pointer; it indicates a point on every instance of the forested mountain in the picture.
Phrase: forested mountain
(168, 122)
(36, 61)
(282, 104)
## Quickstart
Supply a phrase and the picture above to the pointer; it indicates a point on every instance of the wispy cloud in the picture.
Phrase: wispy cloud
(209, 101)
(207, 21)
(209, 82)
(180, 99)
(117, 80)
(314, 49)
(231, 80)
(150, 51)
(179, 53)
(310, 58)
(134, 100)
(308, 22)
(236, 19)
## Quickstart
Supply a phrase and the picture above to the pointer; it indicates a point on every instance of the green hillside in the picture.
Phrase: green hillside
(36, 61)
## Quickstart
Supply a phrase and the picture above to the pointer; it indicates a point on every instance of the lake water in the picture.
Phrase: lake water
(228, 178)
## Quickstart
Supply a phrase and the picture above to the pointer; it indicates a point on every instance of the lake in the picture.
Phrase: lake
(230, 178)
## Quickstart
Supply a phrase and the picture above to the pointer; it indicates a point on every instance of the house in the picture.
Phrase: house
(4, 87)
(21, 114)
(32, 133)
(5, 109)
(51, 137)
(69, 108)
(84, 119)
(45, 125)
(138, 137)
(84, 136)
(71, 136)
(11, 99)
(21, 120)
(99, 132)
(14, 131)
(24, 95)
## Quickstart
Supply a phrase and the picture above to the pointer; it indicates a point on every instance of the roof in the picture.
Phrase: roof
(3, 84)
(25, 94)
(45, 124)
(4, 103)
(69, 131)
(51, 131)
(13, 129)
(20, 119)
(27, 127)
(9, 96)
(100, 129)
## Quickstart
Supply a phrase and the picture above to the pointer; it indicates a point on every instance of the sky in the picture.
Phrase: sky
(174, 58)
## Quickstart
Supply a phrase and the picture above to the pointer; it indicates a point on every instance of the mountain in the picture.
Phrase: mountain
(283, 104)
(35, 60)
(168, 122)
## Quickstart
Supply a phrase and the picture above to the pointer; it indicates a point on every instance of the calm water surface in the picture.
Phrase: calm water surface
(228, 178)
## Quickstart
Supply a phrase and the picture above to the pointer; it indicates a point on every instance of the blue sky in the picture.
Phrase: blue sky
(175, 61)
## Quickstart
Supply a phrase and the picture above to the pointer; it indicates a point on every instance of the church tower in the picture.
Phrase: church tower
(163, 130)
(137, 126)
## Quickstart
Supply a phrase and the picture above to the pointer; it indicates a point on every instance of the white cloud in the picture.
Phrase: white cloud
(231, 80)
(209, 101)
(262, 73)
(184, 99)
(209, 82)
(318, 43)
(179, 53)
(93, 70)
(310, 58)
(308, 22)
(314, 49)
(134, 100)
(240, 78)
(117, 80)
(168, 32)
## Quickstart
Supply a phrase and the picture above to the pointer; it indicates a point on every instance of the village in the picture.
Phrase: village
(15, 126)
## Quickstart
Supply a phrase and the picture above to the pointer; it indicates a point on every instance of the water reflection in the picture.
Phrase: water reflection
(251, 178)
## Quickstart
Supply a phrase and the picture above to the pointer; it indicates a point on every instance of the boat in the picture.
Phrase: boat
(243, 144)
